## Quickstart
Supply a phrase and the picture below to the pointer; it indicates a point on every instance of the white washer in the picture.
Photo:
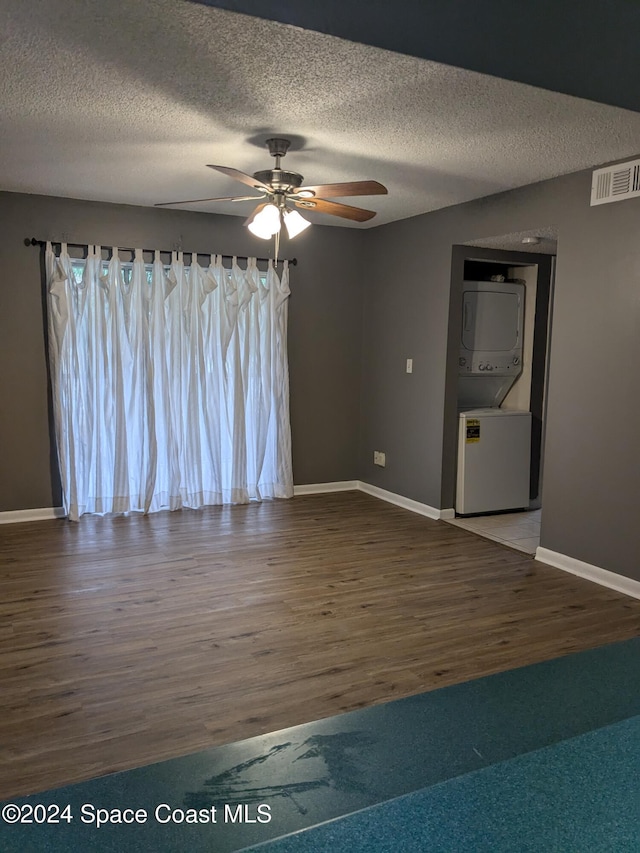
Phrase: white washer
(494, 449)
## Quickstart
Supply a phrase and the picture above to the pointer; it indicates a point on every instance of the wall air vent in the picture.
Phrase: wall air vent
(613, 183)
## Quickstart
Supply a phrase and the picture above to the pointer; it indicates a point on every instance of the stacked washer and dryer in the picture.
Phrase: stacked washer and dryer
(494, 443)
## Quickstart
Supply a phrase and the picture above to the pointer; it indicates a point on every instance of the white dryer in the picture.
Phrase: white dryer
(490, 355)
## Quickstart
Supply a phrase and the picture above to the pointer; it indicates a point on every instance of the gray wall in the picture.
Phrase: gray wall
(324, 330)
(592, 465)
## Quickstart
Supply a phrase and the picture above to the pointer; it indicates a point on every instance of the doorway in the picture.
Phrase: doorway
(519, 529)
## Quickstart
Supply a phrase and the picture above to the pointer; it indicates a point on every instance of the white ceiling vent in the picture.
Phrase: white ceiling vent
(614, 183)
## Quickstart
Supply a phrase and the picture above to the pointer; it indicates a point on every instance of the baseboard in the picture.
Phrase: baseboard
(322, 488)
(46, 513)
(604, 577)
(17, 516)
(405, 503)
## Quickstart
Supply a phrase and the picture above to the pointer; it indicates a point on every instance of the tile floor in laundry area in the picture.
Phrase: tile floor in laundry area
(520, 530)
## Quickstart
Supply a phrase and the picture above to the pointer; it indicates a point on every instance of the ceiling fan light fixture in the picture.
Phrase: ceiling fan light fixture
(295, 224)
(266, 223)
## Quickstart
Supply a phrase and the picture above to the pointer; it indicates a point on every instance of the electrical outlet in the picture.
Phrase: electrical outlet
(379, 458)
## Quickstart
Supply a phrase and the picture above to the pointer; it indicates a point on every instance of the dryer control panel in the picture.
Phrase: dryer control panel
(489, 363)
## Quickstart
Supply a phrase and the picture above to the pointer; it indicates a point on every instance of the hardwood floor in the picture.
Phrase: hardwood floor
(125, 641)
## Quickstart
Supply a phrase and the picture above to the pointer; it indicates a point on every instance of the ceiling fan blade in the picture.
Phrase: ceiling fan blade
(358, 214)
(345, 189)
(198, 200)
(249, 180)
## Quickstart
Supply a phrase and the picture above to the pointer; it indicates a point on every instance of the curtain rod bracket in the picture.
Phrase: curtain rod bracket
(31, 241)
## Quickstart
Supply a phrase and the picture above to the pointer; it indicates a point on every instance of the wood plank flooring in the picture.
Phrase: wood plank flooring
(125, 641)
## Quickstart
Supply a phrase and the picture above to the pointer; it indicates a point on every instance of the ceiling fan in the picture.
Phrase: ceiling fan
(281, 192)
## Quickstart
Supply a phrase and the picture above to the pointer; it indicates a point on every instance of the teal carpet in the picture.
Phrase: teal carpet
(543, 758)
(579, 795)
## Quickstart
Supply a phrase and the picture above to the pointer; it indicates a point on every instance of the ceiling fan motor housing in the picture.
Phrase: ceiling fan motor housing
(279, 179)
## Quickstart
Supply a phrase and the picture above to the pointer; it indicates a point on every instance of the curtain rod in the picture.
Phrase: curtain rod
(31, 241)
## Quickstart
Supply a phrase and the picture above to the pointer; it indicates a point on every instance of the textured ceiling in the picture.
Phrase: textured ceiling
(126, 102)
(586, 48)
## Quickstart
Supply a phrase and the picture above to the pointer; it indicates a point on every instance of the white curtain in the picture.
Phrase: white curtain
(170, 385)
